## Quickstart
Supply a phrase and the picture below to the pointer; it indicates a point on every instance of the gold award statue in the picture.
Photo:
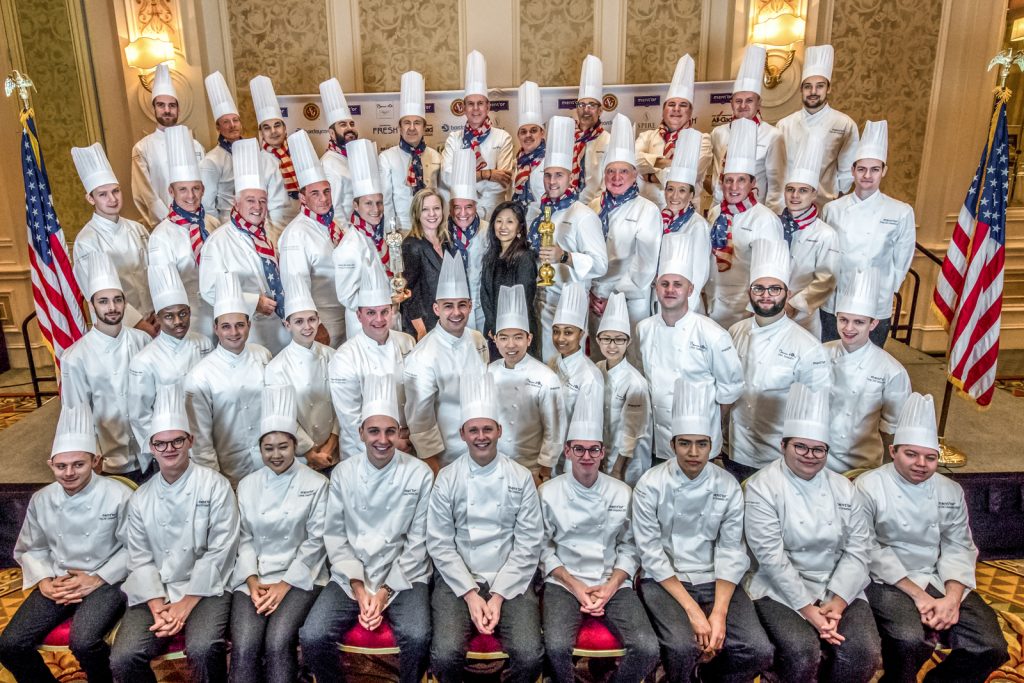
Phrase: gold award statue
(546, 230)
(399, 292)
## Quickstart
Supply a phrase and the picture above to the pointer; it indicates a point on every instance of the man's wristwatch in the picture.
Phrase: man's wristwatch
(388, 589)
(565, 257)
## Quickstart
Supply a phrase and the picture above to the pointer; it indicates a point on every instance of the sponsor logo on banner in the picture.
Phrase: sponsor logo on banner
(458, 107)
(609, 102)
(385, 130)
(355, 109)
(386, 111)
(721, 97)
(284, 112)
(311, 111)
(499, 105)
(428, 108)
(567, 103)
(647, 101)
(720, 118)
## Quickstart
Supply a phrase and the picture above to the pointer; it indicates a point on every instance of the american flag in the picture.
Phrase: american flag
(57, 295)
(969, 293)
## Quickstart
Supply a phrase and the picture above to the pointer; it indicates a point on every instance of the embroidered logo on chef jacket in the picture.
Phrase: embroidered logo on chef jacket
(306, 493)
(616, 508)
(534, 383)
(889, 221)
(108, 516)
(515, 490)
(949, 505)
(411, 492)
(876, 379)
(837, 131)
(788, 355)
(203, 503)
(720, 496)
(844, 506)
(697, 346)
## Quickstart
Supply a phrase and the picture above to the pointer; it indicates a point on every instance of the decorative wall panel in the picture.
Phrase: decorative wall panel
(401, 35)
(658, 33)
(554, 38)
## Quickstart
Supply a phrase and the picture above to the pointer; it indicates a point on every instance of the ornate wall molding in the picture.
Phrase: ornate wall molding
(423, 30)
(658, 33)
(554, 39)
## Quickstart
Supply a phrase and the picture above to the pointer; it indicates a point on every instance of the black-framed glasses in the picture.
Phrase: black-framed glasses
(774, 290)
(593, 451)
(614, 341)
(588, 105)
(162, 446)
(804, 449)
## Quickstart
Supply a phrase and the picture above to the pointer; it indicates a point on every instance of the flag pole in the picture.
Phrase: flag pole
(949, 456)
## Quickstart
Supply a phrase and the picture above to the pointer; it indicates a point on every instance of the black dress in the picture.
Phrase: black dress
(498, 272)
(422, 270)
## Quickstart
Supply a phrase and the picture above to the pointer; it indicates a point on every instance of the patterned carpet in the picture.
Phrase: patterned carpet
(13, 408)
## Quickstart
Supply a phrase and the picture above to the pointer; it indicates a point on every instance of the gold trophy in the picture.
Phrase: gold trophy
(393, 237)
(546, 230)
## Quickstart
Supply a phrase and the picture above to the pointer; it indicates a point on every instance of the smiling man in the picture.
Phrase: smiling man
(341, 130)
(528, 184)
(590, 139)
(273, 134)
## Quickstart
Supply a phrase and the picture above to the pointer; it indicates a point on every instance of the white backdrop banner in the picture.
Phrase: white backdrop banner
(376, 114)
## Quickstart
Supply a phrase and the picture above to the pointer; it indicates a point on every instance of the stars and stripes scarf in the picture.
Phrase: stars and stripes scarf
(333, 146)
(472, 138)
(579, 155)
(791, 223)
(414, 177)
(376, 234)
(525, 163)
(610, 202)
(463, 237)
(268, 257)
(326, 220)
(196, 224)
(224, 143)
(674, 222)
(721, 231)
(284, 162)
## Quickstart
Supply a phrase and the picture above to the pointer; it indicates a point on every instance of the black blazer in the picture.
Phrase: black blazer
(422, 270)
(499, 272)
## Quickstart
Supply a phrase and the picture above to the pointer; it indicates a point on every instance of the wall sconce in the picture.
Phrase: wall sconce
(145, 54)
(778, 26)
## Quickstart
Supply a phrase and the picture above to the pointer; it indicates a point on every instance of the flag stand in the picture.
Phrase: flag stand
(949, 456)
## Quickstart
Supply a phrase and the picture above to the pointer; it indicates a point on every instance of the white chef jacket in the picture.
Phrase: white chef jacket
(496, 152)
(841, 138)
(218, 175)
(474, 272)
(530, 412)
(288, 210)
(814, 253)
(354, 254)
(588, 530)
(433, 373)
(281, 535)
(366, 539)
(920, 531)
(340, 179)
(633, 244)
(810, 539)
(691, 529)
(224, 397)
(877, 232)
(306, 370)
(727, 290)
(774, 358)
(164, 361)
(649, 148)
(695, 228)
(150, 177)
(593, 167)
(484, 526)
(697, 350)
(770, 164)
(305, 250)
(869, 388)
(576, 372)
(84, 531)
(353, 362)
(125, 242)
(628, 427)
(181, 537)
(394, 170)
(536, 183)
(229, 250)
(170, 245)
(94, 371)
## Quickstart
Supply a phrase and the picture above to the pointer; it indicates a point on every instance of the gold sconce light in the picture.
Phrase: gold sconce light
(778, 27)
(145, 54)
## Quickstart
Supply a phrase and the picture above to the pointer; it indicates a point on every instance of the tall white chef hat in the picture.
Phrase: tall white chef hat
(587, 422)
(751, 74)
(412, 101)
(102, 274)
(297, 296)
(335, 105)
(380, 397)
(362, 164)
(162, 84)
(452, 282)
(616, 316)
(463, 184)
(686, 160)
(279, 411)
(219, 95)
(374, 287)
(476, 74)
(166, 287)
(477, 397)
(169, 410)
(75, 430)
(245, 159)
(769, 258)
(860, 295)
(693, 408)
(741, 156)
(182, 164)
(874, 142)
(916, 426)
(806, 415)
(818, 62)
(529, 105)
(622, 145)
(682, 80)
(93, 167)
(676, 256)
(561, 136)
(264, 99)
(591, 79)
(511, 313)
(805, 161)
(307, 164)
(228, 297)
(572, 306)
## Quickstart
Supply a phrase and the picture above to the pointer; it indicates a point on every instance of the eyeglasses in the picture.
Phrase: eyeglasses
(588, 105)
(804, 449)
(614, 341)
(593, 451)
(774, 290)
(162, 446)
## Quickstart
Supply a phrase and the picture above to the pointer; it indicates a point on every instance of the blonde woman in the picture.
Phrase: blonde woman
(422, 251)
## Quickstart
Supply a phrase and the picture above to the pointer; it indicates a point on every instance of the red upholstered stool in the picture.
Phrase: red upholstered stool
(175, 648)
(595, 640)
(59, 639)
(359, 641)
(482, 647)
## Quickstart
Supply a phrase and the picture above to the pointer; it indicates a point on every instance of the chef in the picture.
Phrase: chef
(492, 147)
(736, 222)
(167, 359)
(923, 561)
(412, 164)
(468, 228)
(303, 366)
(281, 563)
(590, 139)
(149, 163)
(869, 386)
(529, 393)
(839, 130)
(341, 130)
(70, 549)
(770, 157)
(94, 370)
(569, 333)
(273, 141)
(181, 535)
(589, 557)
(680, 343)
(656, 149)
(242, 246)
(874, 230)
(806, 528)
(578, 253)
(375, 537)
(484, 534)
(775, 353)
(224, 389)
(688, 526)
(528, 182)
(434, 370)
(306, 246)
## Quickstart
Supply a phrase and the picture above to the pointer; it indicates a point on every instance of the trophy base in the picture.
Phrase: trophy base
(951, 456)
(399, 297)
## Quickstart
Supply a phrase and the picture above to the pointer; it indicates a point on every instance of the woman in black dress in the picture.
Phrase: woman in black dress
(507, 262)
(422, 251)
